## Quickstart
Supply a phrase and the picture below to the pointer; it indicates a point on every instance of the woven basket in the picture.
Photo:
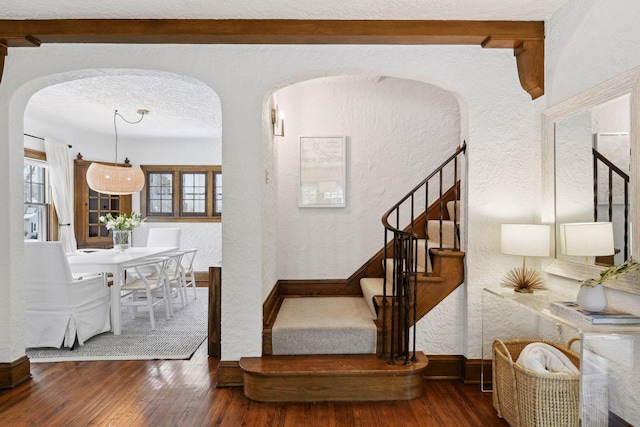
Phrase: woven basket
(526, 398)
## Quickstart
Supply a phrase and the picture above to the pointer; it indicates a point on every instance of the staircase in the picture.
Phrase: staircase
(314, 352)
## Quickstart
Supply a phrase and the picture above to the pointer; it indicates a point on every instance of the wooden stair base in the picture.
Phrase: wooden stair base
(326, 378)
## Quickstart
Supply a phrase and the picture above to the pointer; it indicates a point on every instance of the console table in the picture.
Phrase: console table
(609, 353)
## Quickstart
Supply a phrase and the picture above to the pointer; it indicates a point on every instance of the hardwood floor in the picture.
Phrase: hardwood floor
(183, 393)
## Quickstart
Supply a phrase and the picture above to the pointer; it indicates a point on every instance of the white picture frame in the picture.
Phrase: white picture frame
(323, 172)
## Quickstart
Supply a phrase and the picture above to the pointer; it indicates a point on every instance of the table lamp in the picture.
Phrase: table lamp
(587, 239)
(525, 240)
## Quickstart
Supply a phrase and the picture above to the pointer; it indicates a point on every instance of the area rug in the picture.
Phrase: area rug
(176, 338)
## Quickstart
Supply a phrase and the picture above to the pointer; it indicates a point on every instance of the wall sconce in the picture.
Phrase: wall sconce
(277, 120)
(525, 240)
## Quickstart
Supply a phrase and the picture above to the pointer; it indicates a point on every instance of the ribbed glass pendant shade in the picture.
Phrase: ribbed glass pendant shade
(115, 180)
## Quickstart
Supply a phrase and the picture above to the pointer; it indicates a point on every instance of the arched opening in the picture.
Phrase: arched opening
(181, 131)
(183, 127)
(397, 131)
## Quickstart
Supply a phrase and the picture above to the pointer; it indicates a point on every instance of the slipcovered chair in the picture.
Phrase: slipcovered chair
(59, 309)
(159, 237)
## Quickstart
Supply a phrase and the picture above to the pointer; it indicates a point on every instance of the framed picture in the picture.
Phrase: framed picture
(322, 172)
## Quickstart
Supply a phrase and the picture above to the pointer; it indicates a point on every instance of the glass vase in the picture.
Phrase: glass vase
(121, 240)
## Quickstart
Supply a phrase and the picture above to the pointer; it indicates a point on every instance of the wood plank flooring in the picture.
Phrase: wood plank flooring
(183, 393)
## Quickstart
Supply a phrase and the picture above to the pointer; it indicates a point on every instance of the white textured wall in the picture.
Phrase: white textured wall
(397, 132)
(497, 120)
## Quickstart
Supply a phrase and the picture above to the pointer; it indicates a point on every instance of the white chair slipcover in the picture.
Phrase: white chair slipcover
(58, 308)
(164, 237)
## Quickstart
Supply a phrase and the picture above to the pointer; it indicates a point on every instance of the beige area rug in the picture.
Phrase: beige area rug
(324, 325)
(176, 338)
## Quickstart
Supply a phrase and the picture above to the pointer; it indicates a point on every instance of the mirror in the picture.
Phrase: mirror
(601, 123)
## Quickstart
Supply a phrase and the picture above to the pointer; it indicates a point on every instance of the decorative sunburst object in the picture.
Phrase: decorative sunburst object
(523, 279)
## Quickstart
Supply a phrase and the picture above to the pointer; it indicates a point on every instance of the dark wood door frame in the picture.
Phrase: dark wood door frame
(526, 38)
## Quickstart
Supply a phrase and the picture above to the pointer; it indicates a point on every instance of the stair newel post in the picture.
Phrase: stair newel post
(441, 207)
(455, 207)
(402, 297)
(384, 295)
(415, 308)
(426, 227)
(410, 273)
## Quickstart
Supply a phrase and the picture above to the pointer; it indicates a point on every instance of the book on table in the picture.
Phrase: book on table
(571, 309)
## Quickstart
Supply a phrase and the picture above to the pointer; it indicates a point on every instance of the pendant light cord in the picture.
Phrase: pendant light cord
(115, 126)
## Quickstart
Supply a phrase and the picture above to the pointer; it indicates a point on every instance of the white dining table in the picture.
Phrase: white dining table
(112, 261)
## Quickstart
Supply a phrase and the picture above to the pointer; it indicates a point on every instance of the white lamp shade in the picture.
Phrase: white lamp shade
(525, 239)
(115, 180)
(587, 239)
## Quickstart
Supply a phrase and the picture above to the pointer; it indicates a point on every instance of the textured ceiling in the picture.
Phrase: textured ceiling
(178, 106)
(273, 9)
(183, 107)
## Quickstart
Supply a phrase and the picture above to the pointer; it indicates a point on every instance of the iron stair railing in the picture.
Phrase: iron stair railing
(401, 304)
(611, 170)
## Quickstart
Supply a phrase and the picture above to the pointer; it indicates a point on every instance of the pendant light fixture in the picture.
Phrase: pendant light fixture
(116, 180)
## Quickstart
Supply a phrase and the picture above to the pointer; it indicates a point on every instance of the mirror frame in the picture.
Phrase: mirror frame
(626, 83)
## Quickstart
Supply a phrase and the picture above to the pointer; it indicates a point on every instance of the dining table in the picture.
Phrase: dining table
(112, 261)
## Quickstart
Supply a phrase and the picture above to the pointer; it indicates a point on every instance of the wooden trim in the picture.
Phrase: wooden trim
(319, 287)
(177, 215)
(525, 37)
(3, 54)
(214, 309)
(271, 306)
(14, 373)
(456, 367)
(25, 33)
(530, 61)
(472, 373)
(444, 367)
(230, 374)
(35, 154)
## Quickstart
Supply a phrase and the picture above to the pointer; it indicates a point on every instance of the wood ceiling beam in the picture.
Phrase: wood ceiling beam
(488, 34)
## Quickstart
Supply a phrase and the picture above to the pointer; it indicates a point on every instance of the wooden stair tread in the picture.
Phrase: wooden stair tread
(326, 378)
(329, 365)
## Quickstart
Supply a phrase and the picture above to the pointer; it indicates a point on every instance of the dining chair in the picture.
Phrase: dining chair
(147, 291)
(175, 279)
(58, 309)
(186, 269)
(159, 237)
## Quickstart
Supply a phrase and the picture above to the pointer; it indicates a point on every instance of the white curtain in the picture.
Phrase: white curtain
(62, 184)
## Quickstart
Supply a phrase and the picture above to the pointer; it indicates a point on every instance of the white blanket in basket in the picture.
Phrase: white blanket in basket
(541, 357)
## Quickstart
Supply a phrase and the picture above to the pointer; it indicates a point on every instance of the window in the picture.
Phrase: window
(36, 207)
(182, 193)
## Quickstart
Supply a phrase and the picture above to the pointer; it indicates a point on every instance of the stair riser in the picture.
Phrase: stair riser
(329, 388)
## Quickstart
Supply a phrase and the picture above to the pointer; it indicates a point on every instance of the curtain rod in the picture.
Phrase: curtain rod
(41, 138)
